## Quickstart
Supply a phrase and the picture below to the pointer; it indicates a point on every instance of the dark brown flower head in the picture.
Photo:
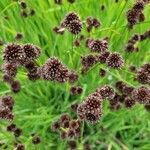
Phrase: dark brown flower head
(120, 85)
(65, 124)
(23, 4)
(36, 140)
(102, 57)
(129, 47)
(116, 106)
(32, 52)
(64, 118)
(72, 16)
(10, 69)
(72, 77)
(8, 101)
(74, 107)
(99, 46)
(7, 78)
(133, 69)
(77, 43)
(88, 61)
(73, 124)
(15, 86)
(143, 77)
(11, 128)
(63, 135)
(106, 92)
(91, 109)
(19, 36)
(6, 113)
(76, 90)
(128, 102)
(55, 126)
(127, 90)
(141, 95)
(54, 70)
(13, 53)
(72, 145)
(141, 17)
(115, 60)
(17, 132)
(139, 6)
(102, 72)
(145, 68)
(20, 147)
(70, 133)
(75, 27)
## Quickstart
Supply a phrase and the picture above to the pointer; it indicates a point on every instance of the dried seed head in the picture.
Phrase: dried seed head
(141, 95)
(143, 77)
(106, 92)
(115, 60)
(6, 113)
(13, 53)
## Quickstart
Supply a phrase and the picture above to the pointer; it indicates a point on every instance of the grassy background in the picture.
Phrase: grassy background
(39, 103)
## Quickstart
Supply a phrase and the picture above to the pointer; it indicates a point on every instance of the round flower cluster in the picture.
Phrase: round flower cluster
(92, 23)
(90, 110)
(54, 70)
(6, 107)
(143, 74)
(141, 95)
(67, 127)
(16, 55)
(135, 14)
(98, 46)
(71, 22)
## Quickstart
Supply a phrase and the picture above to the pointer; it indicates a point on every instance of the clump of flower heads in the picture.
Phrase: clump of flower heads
(141, 95)
(54, 70)
(90, 109)
(135, 14)
(71, 22)
(16, 55)
(67, 127)
(106, 92)
(6, 107)
(92, 23)
(75, 90)
(115, 60)
(143, 74)
(97, 45)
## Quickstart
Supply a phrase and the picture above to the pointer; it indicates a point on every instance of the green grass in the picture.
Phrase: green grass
(40, 103)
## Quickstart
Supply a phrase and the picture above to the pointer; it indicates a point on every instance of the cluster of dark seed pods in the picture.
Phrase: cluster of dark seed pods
(16, 56)
(71, 22)
(67, 127)
(136, 14)
(26, 11)
(131, 45)
(6, 108)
